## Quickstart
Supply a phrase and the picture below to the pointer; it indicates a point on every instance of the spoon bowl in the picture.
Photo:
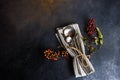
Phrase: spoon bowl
(69, 33)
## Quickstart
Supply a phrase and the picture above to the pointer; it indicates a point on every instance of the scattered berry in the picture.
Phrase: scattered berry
(52, 55)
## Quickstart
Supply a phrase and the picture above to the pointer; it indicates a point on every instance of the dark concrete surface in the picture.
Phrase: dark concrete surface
(27, 28)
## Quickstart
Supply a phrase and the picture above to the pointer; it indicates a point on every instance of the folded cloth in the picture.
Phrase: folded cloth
(73, 43)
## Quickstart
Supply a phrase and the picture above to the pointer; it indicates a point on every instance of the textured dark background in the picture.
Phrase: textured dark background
(27, 27)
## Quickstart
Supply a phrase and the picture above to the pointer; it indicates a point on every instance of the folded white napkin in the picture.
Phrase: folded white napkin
(81, 64)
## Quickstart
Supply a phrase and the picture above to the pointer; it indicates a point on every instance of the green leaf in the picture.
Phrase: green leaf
(96, 40)
(100, 36)
(101, 41)
(99, 33)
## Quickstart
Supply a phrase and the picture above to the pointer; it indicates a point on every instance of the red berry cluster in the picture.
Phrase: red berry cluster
(92, 35)
(91, 28)
(52, 55)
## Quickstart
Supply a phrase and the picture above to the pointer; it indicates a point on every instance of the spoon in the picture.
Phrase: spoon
(69, 33)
